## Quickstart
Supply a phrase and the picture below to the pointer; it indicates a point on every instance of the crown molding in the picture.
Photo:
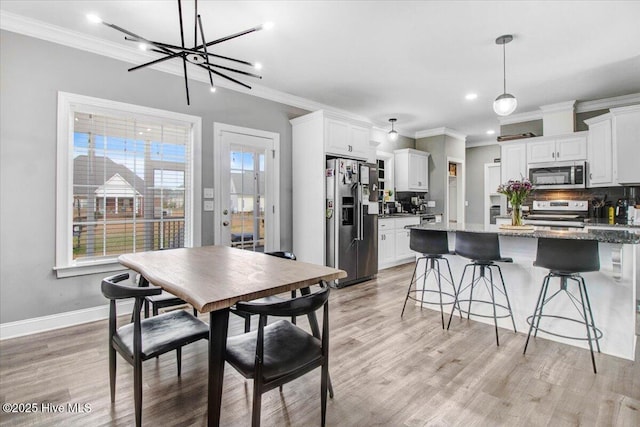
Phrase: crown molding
(74, 39)
(520, 117)
(603, 104)
(558, 107)
(481, 143)
(440, 131)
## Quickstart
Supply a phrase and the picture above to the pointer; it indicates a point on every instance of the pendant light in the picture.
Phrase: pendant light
(506, 103)
(393, 135)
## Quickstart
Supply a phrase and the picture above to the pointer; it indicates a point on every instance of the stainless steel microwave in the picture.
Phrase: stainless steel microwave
(558, 175)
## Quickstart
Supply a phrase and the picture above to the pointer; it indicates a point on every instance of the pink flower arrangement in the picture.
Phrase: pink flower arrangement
(516, 191)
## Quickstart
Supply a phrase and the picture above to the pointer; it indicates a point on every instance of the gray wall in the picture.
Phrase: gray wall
(476, 158)
(534, 126)
(400, 143)
(32, 71)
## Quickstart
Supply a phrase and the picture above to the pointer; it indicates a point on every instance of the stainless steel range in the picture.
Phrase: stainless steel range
(558, 213)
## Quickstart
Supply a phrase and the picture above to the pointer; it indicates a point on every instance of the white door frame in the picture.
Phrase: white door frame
(461, 190)
(272, 211)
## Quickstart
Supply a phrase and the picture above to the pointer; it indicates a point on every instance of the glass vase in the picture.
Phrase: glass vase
(516, 215)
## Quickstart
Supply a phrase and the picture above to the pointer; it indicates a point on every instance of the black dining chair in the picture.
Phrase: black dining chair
(158, 302)
(280, 352)
(144, 339)
(164, 300)
(247, 316)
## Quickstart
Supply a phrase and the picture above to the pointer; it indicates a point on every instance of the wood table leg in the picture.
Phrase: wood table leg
(218, 325)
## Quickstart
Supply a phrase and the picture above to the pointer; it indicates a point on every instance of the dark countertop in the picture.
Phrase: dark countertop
(623, 236)
(398, 215)
(590, 222)
(406, 214)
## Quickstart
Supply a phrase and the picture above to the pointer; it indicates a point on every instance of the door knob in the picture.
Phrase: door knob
(226, 223)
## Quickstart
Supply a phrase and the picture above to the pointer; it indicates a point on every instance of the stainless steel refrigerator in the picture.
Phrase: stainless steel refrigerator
(352, 219)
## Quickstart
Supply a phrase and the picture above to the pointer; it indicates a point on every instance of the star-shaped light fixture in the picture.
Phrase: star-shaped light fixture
(197, 55)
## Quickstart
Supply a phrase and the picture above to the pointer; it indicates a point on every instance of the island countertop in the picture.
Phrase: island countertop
(622, 236)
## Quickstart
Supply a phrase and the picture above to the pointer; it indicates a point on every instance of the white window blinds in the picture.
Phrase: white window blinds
(131, 179)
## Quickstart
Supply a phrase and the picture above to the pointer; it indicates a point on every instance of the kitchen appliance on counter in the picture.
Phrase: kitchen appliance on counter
(558, 213)
(621, 211)
(558, 175)
(430, 218)
(352, 219)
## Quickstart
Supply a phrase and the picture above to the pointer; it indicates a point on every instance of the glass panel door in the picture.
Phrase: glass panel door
(247, 197)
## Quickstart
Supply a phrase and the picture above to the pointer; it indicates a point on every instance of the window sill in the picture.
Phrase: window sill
(86, 268)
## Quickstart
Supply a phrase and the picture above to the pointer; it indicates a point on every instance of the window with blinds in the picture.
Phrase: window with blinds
(130, 179)
(125, 182)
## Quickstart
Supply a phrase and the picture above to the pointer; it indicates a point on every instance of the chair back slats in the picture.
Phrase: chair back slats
(478, 246)
(282, 254)
(563, 255)
(294, 307)
(112, 290)
(429, 242)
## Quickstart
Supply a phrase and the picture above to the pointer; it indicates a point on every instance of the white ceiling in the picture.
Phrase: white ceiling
(414, 60)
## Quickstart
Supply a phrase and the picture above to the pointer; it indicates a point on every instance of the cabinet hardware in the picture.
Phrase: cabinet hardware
(558, 155)
(553, 155)
(226, 223)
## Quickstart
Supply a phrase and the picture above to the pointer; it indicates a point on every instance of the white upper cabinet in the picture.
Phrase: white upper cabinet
(559, 149)
(411, 170)
(600, 153)
(346, 139)
(541, 151)
(513, 161)
(626, 139)
(572, 147)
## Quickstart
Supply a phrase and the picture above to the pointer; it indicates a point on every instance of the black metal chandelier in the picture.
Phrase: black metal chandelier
(197, 55)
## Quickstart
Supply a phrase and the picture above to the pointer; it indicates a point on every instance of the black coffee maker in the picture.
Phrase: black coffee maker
(622, 209)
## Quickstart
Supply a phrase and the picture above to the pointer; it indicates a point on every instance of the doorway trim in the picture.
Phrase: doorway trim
(460, 192)
(272, 212)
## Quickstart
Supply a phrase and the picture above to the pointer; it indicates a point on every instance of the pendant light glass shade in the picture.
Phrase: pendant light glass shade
(506, 103)
(393, 135)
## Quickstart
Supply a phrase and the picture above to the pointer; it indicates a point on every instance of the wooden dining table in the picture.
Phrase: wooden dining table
(212, 279)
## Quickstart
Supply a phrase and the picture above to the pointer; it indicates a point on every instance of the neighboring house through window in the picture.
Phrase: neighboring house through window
(126, 182)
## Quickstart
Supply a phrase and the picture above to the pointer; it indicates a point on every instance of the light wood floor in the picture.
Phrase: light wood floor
(386, 371)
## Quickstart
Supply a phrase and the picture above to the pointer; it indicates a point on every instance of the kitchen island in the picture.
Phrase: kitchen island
(613, 290)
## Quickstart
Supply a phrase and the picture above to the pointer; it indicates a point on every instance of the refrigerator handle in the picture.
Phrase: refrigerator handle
(360, 213)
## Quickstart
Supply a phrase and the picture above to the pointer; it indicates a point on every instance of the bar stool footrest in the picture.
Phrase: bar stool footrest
(490, 316)
(433, 291)
(597, 332)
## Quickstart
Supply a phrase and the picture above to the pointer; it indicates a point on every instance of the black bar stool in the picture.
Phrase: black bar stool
(432, 245)
(483, 249)
(566, 259)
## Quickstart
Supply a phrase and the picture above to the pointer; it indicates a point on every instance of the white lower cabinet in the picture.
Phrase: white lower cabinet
(402, 244)
(393, 241)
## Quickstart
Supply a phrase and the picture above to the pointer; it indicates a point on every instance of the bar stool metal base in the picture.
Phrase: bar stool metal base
(485, 267)
(432, 267)
(582, 305)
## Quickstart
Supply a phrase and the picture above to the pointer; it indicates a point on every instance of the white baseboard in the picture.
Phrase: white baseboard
(57, 321)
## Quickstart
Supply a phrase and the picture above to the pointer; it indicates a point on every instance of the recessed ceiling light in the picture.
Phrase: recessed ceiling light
(491, 132)
(94, 19)
(471, 96)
